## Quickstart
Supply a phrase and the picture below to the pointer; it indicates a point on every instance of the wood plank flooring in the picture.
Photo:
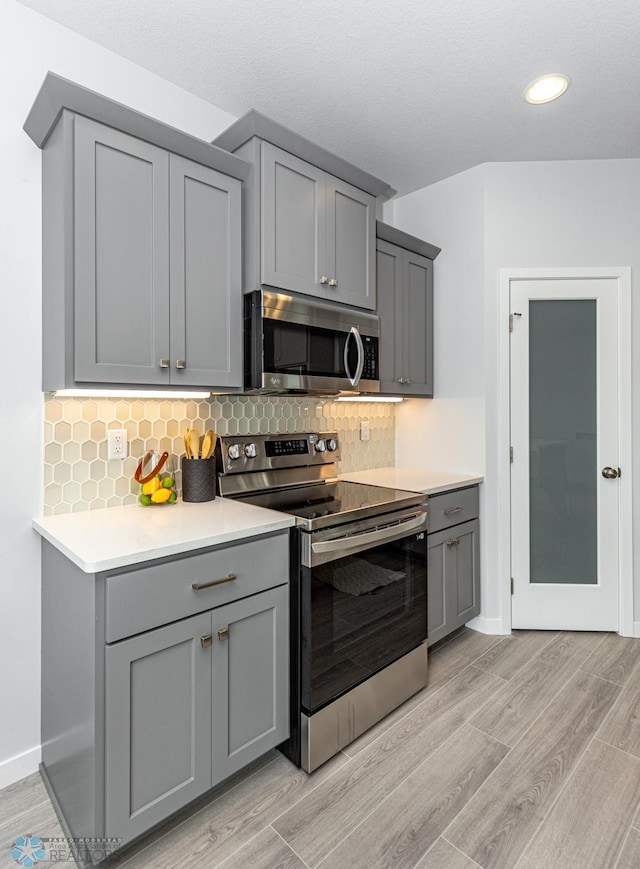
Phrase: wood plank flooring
(523, 751)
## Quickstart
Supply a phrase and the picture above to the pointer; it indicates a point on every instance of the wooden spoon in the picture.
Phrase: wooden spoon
(187, 448)
(194, 444)
(206, 445)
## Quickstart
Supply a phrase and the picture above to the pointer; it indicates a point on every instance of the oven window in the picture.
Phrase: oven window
(360, 613)
(290, 348)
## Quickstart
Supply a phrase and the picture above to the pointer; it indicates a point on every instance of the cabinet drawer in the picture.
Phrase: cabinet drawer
(142, 599)
(452, 508)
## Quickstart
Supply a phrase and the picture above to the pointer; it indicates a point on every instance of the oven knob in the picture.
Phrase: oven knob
(250, 451)
(321, 446)
(233, 451)
(332, 445)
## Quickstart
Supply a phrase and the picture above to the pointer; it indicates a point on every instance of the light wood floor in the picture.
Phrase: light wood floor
(522, 751)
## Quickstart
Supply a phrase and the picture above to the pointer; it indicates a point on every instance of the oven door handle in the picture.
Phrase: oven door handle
(344, 545)
(360, 365)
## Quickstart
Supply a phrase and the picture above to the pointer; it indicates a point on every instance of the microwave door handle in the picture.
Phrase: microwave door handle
(360, 541)
(360, 365)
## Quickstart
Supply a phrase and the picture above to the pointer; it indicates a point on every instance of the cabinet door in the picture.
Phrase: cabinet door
(121, 257)
(293, 227)
(205, 256)
(453, 579)
(389, 272)
(158, 725)
(250, 679)
(417, 306)
(351, 238)
(466, 552)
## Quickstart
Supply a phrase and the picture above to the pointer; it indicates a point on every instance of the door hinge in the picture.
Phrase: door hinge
(511, 454)
(511, 316)
(512, 585)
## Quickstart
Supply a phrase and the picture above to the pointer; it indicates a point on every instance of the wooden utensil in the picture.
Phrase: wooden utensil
(194, 444)
(187, 447)
(206, 445)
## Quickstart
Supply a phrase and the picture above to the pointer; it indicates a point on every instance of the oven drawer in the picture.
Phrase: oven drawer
(452, 508)
(139, 600)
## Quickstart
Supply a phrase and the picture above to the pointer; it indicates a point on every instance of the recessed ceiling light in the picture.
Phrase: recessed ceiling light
(546, 88)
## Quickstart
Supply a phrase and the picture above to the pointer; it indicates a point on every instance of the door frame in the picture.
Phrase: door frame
(507, 276)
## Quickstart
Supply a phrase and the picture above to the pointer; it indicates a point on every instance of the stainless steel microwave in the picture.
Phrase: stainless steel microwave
(296, 344)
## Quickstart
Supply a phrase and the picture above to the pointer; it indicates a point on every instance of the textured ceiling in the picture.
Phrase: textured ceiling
(412, 91)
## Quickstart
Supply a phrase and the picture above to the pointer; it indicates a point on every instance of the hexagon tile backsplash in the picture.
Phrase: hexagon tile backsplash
(78, 476)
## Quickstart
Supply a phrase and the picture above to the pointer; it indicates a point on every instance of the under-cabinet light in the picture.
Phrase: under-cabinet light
(546, 88)
(126, 393)
(386, 398)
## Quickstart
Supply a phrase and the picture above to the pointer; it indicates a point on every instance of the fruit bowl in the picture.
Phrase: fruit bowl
(157, 480)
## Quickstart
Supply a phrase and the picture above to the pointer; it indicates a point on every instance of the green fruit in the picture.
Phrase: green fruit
(168, 482)
(173, 497)
(145, 500)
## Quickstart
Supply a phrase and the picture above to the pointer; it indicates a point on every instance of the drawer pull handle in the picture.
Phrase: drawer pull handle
(197, 586)
(223, 634)
(453, 542)
(451, 510)
(206, 641)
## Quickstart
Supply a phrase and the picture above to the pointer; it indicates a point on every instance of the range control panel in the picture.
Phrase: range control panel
(236, 454)
(370, 367)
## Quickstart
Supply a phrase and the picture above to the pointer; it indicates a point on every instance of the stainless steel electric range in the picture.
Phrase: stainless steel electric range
(358, 586)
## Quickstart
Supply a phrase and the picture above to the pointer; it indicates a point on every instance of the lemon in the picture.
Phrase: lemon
(173, 497)
(150, 487)
(145, 500)
(168, 482)
(161, 495)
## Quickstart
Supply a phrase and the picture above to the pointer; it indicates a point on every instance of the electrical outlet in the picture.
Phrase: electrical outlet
(117, 443)
(365, 431)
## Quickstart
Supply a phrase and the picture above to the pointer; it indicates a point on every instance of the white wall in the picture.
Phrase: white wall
(537, 214)
(30, 45)
(449, 214)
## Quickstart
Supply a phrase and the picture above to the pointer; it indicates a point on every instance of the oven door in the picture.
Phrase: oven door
(363, 602)
(306, 345)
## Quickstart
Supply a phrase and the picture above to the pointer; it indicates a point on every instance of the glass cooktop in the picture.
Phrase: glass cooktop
(324, 504)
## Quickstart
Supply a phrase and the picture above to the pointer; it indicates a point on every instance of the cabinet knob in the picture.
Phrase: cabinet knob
(181, 363)
(453, 542)
(164, 363)
(333, 282)
(205, 641)
(402, 380)
(324, 279)
(223, 634)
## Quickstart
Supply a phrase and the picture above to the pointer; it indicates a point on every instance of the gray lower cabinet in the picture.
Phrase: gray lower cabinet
(191, 703)
(142, 263)
(453, 568)
(318, 232)
(405, 306)
(160, 680)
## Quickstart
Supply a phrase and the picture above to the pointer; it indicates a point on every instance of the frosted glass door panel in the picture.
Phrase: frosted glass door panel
(563, 434)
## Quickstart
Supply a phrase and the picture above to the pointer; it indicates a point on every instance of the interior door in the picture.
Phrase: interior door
(564, 435)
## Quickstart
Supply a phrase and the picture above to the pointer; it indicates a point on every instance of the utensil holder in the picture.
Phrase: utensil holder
(198, 479)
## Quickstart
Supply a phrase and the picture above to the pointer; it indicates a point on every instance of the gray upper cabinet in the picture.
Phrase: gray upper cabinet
(157, 265)
(205, 276)
(310, 216)
(317, 231)
(405, 306)
(121, 257)
(142, 258)
(292, 222)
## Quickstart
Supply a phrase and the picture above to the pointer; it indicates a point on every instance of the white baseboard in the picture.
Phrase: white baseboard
(15, 768)
(636, 629)
(487, 626)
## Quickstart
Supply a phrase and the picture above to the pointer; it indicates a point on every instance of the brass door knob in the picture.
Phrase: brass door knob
(610, 473)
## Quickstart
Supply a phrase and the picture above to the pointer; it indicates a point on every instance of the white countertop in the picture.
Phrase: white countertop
(429, 482)
(118, 536)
